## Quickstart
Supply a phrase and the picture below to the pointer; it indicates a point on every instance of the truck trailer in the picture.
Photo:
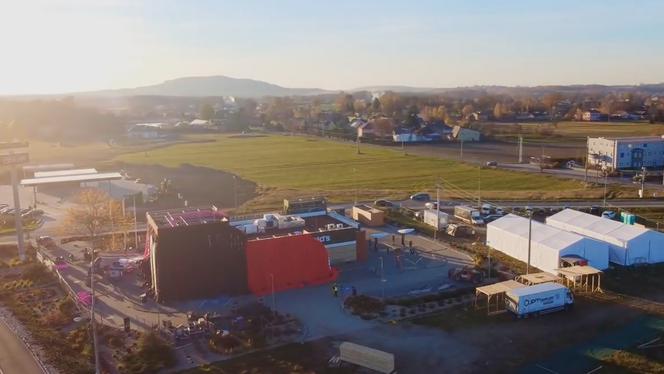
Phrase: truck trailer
(468, 215)
(539, 299)
(435, 218)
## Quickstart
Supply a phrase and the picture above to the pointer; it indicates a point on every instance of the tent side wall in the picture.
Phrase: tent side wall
(516, 246)
(597, 253)
(656, 246)
(617, 254)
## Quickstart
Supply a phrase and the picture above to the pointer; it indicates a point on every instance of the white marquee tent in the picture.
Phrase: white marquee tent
(509, 235)
(628, 244)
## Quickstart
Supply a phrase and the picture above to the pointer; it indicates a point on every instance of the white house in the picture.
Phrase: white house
(199, 122)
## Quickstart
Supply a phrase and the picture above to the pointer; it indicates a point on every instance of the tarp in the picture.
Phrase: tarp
(509, 234)
(287, 262)
(628, 244)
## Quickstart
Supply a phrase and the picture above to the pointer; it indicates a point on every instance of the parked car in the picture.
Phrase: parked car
(492, 164)
(500, 211)
(420, 196)
(431, 205)
(609, 214)
(572, 260)
(384, 203)
(46, 241)
(595, 210)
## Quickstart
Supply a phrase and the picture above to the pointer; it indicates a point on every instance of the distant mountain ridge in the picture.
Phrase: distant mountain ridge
(217, 85)
(220, 85)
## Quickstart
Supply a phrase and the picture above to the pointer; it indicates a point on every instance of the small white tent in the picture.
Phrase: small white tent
(509, 235)
(629, 244)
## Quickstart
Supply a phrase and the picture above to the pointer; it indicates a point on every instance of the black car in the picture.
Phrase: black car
(384, 204)
(421, 196)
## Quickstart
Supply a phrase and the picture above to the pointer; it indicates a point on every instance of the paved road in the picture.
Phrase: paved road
(14, 356)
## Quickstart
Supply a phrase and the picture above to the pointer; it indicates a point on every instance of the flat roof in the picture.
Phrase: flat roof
(312, 224)
(536, 288)
(186, 216)
(500, 287)
(71, 178)
(62, 173)
(538, 278)
(633, 138)
(47, 167)
(579, 270)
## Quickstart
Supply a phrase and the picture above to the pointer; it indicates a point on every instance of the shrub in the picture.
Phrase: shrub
(152, 355)
(362, 304)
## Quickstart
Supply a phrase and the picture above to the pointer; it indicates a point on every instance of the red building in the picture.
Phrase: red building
(201, 253)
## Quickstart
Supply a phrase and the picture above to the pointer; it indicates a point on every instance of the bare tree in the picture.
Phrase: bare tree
(94, 213)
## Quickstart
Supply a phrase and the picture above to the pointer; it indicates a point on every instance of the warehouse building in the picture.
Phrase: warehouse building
(202, 253)
(626, 153)
(628, 244)
(509, 234)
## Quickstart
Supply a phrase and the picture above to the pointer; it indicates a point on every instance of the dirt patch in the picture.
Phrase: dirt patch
(507, 344)
(198, 185)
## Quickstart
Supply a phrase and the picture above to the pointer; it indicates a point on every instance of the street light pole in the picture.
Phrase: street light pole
(606, 175)
(530, 236)
(435, 232)
(92, 307)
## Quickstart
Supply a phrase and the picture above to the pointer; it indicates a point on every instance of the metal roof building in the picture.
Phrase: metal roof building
(509, 235)
(628, 244)
(70, 178)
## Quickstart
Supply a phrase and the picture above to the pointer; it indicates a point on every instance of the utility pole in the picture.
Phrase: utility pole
(92, 307)
(643, 181)
(355, 184)
(461, 150)
(479, 187)
(235, 192)
(606, 176)
(585, 177)
(357, 143)
(403, 146)
(530, 236)
(435, 232)
(135, 225)
(520, 149)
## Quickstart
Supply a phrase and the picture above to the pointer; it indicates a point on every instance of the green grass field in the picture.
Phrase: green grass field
(571, 131)
(285, 165)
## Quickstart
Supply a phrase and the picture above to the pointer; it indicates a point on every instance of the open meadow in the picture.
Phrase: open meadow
(568, 131)
(293, 165)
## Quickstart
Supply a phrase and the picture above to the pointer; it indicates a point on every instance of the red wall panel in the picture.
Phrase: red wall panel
(293, 261)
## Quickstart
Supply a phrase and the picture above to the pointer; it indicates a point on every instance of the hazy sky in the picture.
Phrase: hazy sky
(51, 46)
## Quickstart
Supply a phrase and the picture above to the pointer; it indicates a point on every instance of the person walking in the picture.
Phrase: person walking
(335, 290)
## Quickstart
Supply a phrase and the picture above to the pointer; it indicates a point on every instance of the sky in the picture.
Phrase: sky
(56, 46)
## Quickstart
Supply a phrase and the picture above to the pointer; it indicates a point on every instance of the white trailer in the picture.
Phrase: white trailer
(468, 215)
(539, 299)
(441, 220)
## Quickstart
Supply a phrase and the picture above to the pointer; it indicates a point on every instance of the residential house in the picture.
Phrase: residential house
(377, 128)
(593, 115)
(199, 122)
(462, 134)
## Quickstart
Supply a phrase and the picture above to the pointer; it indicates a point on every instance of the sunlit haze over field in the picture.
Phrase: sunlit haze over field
(77, 45)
